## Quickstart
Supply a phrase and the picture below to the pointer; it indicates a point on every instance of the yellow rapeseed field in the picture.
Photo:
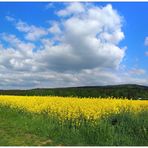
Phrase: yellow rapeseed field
(74, 108)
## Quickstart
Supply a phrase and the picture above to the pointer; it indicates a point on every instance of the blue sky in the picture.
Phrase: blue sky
(43, 44)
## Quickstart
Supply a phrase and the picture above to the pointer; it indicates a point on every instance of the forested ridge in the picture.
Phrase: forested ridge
(129, 91)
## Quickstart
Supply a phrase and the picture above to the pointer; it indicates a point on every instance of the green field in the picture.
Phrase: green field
(19, 128)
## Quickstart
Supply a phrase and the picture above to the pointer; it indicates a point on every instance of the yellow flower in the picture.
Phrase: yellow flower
(70, 108)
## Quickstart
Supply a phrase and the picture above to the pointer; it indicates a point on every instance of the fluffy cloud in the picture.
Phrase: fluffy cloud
(54, 29)
(82, 49)
(18, 56)
(32, 32)
(72, 8)
(89, 33)
(87, 39)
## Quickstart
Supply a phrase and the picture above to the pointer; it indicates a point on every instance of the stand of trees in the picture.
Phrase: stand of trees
(129, 91)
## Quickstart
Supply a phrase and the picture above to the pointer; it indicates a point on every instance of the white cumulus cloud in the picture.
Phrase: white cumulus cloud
(80, 48)
(32, 32)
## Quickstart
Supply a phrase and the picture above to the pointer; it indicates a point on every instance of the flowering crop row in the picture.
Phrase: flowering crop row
(74, 108)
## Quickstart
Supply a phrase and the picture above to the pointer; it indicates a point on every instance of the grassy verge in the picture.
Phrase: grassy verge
(20, 128)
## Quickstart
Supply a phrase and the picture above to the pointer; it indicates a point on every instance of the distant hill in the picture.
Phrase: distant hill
(130, 91)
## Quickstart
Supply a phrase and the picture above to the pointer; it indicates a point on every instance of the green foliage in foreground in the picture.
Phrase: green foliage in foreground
(128, 91)
(19, 128)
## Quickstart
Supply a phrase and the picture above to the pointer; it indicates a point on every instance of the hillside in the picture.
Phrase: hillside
(127, 90)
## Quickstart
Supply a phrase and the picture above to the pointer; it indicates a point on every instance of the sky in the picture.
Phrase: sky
(66, 44)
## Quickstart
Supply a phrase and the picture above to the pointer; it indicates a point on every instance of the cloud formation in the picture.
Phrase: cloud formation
(32, 32)
(87, 37)
(81, 48)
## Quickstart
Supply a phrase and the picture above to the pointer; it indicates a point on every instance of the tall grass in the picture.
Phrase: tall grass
(123, 129)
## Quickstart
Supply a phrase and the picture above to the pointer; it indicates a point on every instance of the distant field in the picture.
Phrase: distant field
(72, 121)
